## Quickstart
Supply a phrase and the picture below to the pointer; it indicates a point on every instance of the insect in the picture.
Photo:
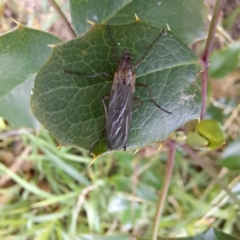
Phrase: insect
(120, 108)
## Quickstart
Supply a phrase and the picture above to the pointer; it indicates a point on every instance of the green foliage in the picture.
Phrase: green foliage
(211, 234)
(224, 61)
(70, 106)
(181, 16)
(231, 156)
(207, 135)
(229, 21)
(22, 53)
(68, 206)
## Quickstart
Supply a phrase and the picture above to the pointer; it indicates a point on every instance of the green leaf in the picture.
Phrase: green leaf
(23, 51)
(215, 113)
(213, 132)
(70, 105)
(94, 11)
(208, 134)
(229, 21)
(15, 106)
(195, 140)
(224, 61)
(231, 156)
(182, 16)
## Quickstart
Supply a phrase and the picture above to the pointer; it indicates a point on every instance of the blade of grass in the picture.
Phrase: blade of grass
(58, 161)
(26, 185)
(58, 199)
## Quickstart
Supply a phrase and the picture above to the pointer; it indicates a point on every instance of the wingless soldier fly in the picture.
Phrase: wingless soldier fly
(120, 108)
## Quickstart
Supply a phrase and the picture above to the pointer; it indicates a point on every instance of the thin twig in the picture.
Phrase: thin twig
(78, 207)
(163, 195)
(210, 172)
(134, 187)
(208, 48)
(61, 14)
(219, 200)
(233, 116)
(14, 133)
(15, 166)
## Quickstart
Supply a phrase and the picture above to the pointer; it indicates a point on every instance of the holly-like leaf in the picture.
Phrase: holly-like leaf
(94, 11)
(181, 15)
(70, 105)
(23, 51)
(15, 106)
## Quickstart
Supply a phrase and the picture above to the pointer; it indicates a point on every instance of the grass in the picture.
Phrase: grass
(61, 195)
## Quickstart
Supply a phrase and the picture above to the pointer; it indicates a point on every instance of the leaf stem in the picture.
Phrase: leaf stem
(61, 14)
(205, 57)
(163, 195)
(210, 172)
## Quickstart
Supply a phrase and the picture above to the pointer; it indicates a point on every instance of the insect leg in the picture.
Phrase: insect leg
(113, 45)
(140, 101)
(71, 72)
(99, 74)
(89, 76)
(148, 49)
(96, 142)
(105, 109)
(104, 105)
(150, 96)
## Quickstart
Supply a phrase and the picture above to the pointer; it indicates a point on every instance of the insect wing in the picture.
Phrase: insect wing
(119, 116)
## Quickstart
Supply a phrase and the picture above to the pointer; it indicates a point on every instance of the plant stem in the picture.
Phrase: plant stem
(208, 48)
(61, 14)
(211, 172)
(163, 195)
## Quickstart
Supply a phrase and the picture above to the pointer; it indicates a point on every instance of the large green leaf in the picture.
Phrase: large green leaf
(224, 61)
(22, 53)
(15, 106)
(93, 10)
(70, 106)
(186, 18)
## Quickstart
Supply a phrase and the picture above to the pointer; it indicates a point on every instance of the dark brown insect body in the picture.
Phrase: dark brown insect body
(119, 114)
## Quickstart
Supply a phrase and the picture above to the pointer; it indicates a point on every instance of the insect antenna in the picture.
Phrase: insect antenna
(148, 49)
(113, 44)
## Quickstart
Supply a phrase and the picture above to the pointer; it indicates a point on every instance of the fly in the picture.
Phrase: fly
(120, 108)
